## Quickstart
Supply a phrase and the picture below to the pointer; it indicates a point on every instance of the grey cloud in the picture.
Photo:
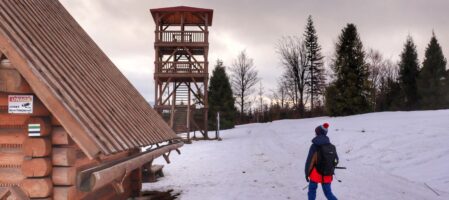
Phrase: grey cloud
(124, 29)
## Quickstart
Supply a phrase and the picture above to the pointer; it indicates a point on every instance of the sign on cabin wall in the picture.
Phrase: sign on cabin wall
(20, 104)
(34, 130)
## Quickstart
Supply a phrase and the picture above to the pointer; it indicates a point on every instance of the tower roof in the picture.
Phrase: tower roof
(172, 15)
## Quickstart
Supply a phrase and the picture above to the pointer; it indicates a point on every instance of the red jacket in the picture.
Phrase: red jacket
(317, 178)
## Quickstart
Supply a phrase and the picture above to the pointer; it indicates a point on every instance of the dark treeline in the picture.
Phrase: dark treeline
(358, 80)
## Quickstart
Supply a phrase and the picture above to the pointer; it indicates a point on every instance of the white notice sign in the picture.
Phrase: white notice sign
(20, 104)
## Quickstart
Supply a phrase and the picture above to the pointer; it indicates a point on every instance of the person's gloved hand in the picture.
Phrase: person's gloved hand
(307, 178)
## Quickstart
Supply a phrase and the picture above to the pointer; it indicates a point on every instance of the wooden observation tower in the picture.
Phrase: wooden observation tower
(181, 67)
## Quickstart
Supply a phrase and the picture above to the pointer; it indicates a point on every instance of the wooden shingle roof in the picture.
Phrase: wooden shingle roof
(76, 81)
(172, 15)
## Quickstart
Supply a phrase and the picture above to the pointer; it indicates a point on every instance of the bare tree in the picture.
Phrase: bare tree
(293, 55)
(380, 70)
(260, 94)
(243, 79)
(260, 97)
(279, 95)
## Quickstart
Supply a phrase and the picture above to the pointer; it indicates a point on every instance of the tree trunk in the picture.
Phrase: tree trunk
(311, 88)
(242, 98)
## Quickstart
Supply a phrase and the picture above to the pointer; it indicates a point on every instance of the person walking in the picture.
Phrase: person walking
(320, 164)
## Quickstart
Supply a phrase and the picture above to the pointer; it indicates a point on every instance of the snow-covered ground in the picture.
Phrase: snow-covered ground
(389, 155)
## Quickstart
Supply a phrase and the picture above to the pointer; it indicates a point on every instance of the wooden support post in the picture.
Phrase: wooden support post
(206, 104)
(136, 182)
(188, 109)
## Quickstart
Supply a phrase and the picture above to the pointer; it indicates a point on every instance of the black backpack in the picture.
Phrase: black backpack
(326, 159)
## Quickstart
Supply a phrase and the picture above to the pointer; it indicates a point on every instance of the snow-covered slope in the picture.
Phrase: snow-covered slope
(389, 155)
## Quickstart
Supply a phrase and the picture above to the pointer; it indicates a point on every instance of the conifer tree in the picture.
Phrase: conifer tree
(315, 79)
(221, 99)
(408, 74)
(431, 86)
(348, 94)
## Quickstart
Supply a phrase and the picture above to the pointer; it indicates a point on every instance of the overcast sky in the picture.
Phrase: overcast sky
(124, 29)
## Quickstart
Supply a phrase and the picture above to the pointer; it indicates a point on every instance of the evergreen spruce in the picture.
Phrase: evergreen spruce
(348, 94)
(408, 74)
(315, 79)
(431, 79)
(221, 99)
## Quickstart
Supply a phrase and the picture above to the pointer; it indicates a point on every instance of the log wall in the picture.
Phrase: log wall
(25, 161)
(46, 166)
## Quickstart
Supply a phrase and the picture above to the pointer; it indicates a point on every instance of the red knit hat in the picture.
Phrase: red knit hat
(322, 129)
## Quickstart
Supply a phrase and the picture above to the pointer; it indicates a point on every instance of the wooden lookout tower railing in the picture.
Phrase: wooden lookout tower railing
(181, 67)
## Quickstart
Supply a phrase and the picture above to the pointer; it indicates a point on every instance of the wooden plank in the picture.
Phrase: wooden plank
(7, 120)
(64, 156)
(12, 136)
(83, 162)
(65, 176)
(11, 175)
(11, 159)
(64, 193)
(12, 81)
(37, 147)
(37, 187)
(59, 136)
(37, 167)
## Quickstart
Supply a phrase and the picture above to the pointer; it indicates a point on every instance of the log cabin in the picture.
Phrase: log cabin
(71, 125)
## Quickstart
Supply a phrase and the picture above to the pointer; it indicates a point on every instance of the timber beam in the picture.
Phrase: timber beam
(115, 171)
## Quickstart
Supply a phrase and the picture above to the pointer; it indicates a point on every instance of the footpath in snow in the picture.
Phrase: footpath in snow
(390, 155)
